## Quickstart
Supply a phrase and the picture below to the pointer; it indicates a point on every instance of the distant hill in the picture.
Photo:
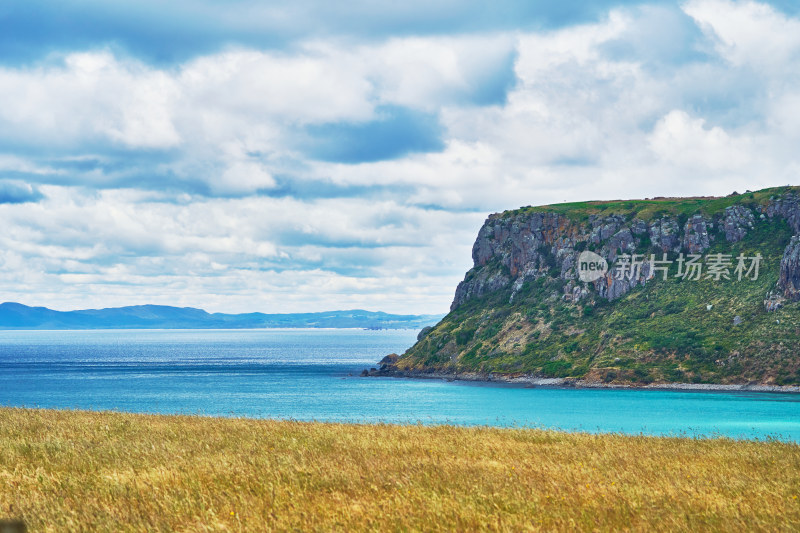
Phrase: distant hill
(18, 316)
(665, 290)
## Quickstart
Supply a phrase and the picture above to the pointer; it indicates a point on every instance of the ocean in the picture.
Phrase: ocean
(313, 374)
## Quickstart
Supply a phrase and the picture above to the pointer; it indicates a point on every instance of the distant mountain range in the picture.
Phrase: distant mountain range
(18, 316)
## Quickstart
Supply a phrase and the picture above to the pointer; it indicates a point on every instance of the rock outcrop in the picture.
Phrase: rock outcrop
(789, 280)
(696, 239)
(786, 206)
(664, 234)
(737, 221)
(515, 247)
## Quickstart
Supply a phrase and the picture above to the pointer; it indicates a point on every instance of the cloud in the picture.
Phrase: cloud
(229, 123)
(13, 192)
(175, 32)
(228, 254)
(394, 133)
(349, 162)
(431, 72)
(89, 97)
(748, 33)
(685, 141)
(662, 37)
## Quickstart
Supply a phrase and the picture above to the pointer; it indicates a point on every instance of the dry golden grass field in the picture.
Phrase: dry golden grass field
(90, 471)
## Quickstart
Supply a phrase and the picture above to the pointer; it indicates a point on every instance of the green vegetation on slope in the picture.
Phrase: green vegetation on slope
(84, 471)
(654, 208)
(659, 332)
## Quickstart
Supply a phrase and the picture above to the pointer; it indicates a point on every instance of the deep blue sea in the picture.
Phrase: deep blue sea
(306, 374)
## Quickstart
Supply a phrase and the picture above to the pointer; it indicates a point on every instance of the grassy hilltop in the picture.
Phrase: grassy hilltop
(84, 471)
(660, 331)
(656, 207)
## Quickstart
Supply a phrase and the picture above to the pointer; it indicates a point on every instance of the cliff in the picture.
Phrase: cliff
(700, 290)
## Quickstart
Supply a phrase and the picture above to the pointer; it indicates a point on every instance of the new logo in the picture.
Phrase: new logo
(591, 266)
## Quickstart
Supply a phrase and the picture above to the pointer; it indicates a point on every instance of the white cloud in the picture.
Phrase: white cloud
(90, 97)
(431, 73)
(684, 141)
(748, 33)
(310, 87)
(235, 255)
(244, 177)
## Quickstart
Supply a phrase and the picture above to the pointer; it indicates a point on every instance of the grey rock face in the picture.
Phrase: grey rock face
(530, 245)
(612, 288)
(423, 332)
(622, 240)
(574, 292)
(567, 264)
(483, 282)
(786, 206)
(604, 227)
(513, 248)
(789, 279)
(736, 221)
(613, 285)
(517, 241)
(638, 227)
(664, 234)
(696, 239)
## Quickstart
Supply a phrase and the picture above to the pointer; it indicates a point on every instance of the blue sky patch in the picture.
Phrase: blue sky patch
(13, 192)
(396, 132)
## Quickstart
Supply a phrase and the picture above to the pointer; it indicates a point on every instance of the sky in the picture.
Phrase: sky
(244, 156)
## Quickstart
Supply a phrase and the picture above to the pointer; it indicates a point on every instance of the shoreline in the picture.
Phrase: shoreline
(530, 381)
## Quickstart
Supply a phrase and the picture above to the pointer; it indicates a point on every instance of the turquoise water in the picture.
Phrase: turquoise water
(314, 375)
